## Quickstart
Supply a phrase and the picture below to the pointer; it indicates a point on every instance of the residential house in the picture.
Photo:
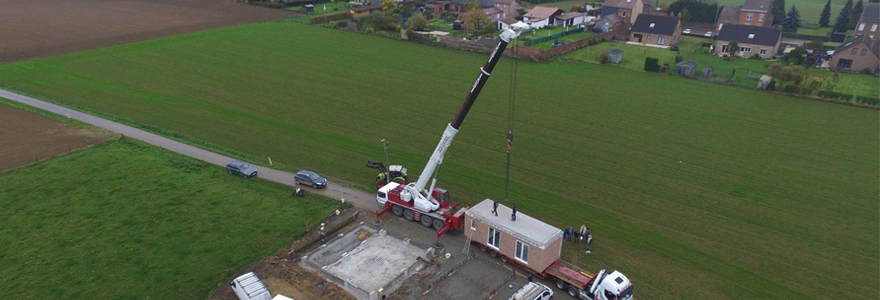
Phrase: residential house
(729, 14)
(661, 31)
(628, 10)
(757, 12)
(541, 16)
(497, 10)
(752, 40)
(869, 21)
(572, 19)
(360, 11)
(526, 241)
(506, 23)
(861, 53)
(607, 22)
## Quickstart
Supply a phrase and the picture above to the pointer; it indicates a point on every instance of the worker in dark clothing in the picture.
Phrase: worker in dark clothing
(513, 215)
(495, 207)
(323, 237)
(589, 240)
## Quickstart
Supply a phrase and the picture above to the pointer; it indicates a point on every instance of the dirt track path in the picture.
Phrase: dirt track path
(357, 198)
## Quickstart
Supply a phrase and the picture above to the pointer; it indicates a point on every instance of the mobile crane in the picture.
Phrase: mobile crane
(431, 206)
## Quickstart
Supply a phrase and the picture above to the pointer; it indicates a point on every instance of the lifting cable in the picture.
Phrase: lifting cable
(511, 107)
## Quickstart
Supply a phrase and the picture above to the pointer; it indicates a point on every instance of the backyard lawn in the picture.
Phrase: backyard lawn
(690, 49)
(125, 220)
(809, 9)
(563, 5)
(694, 190)
(547, 45)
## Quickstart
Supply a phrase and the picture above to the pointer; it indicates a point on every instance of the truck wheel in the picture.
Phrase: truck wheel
(426, 221)
(438, 225)
(397, 210)
(483, 248)
(504, 259)
(572, 292)
(408, 215)
(493, 253)
(560, 284)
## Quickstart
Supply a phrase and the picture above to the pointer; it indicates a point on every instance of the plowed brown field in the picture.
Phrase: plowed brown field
(40, 28)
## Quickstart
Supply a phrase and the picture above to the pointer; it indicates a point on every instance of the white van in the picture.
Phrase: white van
(533, 291)
(249, 287)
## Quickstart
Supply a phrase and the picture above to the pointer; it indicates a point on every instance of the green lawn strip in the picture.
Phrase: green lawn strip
(563, 5)
(744, 194)
(123, 218)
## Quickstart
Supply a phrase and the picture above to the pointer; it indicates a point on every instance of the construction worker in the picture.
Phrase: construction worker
(589, 241)
(583, 232)
(513, 215)
(495, 207)
(323, 237)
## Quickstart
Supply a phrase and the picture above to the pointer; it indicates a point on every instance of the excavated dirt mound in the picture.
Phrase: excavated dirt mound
(26, 138)
(40, 28)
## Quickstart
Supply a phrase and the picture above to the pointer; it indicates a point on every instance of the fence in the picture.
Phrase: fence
(328, 18)
(619, 32)
(550, 37)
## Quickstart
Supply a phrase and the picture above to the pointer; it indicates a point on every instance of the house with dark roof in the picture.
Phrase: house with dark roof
(752, 40)
(861, 53)
(757, 13)
(360, 11)
(869, 21)
(656, 30)
(541, 16)
(628, 10)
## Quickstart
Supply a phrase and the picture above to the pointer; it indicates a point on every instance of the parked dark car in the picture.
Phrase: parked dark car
(242, 169)
(310, 178)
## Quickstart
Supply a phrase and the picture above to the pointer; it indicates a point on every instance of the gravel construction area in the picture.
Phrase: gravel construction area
(40, 28)
(27, 137)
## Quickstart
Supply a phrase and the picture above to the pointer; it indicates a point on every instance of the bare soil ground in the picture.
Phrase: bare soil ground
(26, 137)
(40, 28)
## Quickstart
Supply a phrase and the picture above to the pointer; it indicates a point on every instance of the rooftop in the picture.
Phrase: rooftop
(871, 13)
(525, 227)
(540, 12)
(655, 24)
(757, 35)
(621, 3)
(758, 5)
(615, 52)
(570, 15)
(729, 14)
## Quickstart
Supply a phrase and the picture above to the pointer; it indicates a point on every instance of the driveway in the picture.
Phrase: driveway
(357, 198)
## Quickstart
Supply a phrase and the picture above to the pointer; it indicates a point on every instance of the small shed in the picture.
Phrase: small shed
(707, 71)
(615, 56)
(309, 7)
(764, 81)
(527, 242)
(686, 68)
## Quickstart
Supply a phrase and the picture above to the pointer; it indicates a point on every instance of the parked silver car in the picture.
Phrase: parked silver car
(242, 169)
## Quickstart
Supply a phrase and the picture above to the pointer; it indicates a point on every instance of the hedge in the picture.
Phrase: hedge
(551, 37)
(868, 100)
(652, 64)
(328, 18)
(806, 37)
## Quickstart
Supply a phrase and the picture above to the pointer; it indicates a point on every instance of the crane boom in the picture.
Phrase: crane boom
(418, 189)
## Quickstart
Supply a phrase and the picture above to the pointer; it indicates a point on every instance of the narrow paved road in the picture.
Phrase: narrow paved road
(357, 198)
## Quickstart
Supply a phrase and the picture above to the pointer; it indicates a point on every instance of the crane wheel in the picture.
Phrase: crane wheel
(426, 221)
(397, 210)
(408, 215)
(438, 225)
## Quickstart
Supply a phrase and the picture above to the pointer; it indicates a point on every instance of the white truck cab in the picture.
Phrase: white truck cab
(249, 287)
(609, 286)
(533, 291)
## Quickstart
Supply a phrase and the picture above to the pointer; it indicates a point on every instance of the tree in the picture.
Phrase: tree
(787, 73)
(778, 11)
(388, 4)
(603, 57)
(855, 14)
(825, 17)
(792, 20)
(475, 21)
(418, 22)
(796, 56)
(732, 48)
(842, 22)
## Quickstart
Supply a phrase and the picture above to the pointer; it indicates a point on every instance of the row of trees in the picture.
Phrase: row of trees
(695, 10)
(847, 18)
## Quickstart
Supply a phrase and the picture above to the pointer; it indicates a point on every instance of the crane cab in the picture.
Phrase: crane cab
(441, 196)
(610, 286)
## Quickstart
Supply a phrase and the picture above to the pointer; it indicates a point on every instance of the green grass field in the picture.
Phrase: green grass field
(125, 220)
(563, 5)
(694, 190)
